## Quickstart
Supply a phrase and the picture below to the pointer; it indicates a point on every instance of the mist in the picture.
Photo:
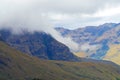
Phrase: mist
(19, 15)
(87, 46)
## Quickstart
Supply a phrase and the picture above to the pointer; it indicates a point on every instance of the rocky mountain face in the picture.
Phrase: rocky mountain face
(87, 34)
(94, 41)
(38, 44)
(15, 65)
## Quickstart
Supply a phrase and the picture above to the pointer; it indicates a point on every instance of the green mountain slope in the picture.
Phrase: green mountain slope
(17, 66)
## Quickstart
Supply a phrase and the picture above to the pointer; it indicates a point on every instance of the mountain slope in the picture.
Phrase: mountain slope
(38, 44)
(94, 41)
(113, 54)
(112, 36)
(15, 65)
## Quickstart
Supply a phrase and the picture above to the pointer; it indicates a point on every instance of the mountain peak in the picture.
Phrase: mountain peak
(39, 44)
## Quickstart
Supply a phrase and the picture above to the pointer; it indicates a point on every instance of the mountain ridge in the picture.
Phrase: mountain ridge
(94, 41)
(39, 44)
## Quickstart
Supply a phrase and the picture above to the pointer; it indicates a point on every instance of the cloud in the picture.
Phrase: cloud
(87, 46)
(44, 15)
(89, 49)
(68, 13)
(31, 15)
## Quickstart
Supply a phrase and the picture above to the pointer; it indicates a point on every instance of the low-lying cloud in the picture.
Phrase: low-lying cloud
(43, 15)
(89, 47)
(31, 15)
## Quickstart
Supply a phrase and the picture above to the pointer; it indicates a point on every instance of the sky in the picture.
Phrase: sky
(62, 13)
(44, 15)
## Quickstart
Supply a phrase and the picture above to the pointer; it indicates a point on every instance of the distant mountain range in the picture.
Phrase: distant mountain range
(15, 65)
(96, 42)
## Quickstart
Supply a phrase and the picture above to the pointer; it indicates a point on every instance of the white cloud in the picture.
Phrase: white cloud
(69, 13)
(45, 14)
(31, 15)
(106, 12)
(87, 46)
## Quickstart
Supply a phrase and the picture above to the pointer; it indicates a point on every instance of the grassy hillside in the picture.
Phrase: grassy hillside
(17, 66)
(81, 54)
(113, 54)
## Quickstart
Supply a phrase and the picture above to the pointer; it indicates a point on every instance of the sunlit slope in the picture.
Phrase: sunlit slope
(81, 54)
(113, 54)
(15, 65)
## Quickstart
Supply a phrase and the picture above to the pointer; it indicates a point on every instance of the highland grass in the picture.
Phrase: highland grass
(20, 66)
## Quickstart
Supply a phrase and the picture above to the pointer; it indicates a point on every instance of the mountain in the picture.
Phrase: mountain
(38, 44)
(15, 65)
(112, 35)
(94, 41)
(113, 54)
(86, 34)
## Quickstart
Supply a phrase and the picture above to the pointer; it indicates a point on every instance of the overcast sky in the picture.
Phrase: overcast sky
(44, 15)
(66, 13)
